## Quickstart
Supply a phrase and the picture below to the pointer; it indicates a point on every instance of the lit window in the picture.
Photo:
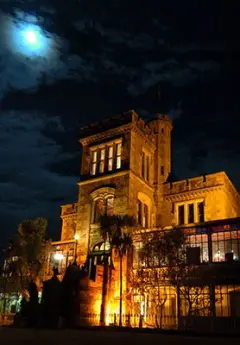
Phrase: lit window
(94, 163)
(109, 206)
(102, 206)
(102, 160)
(118, 158)
(110, 158)
(99, 209)
(143, 164)
(145, 216)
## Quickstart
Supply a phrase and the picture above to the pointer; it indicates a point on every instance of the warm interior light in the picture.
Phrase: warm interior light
(76, 237)
(58, 256)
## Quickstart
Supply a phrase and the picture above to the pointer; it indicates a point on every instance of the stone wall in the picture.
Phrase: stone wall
(88, 235)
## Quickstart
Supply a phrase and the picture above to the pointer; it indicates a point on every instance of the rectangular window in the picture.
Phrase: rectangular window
(139, 211)
(147, 168)
(102, 160)
(94, 163)
(201, 212)
(162, 170)
(118, 155)
(190, 213)
(110, 158)
(145, 216)
(143, 165)
(181, 215)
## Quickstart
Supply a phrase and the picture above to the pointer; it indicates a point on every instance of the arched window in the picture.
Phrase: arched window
(102, 206)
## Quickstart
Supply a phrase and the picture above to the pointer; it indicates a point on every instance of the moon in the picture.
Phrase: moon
(31, 37)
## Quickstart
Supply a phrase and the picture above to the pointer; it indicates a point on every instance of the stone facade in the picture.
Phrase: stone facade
(142, 175)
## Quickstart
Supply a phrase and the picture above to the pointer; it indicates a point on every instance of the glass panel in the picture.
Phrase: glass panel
(201, 212)
(94, 163)
(225, 246)
(139, 211)
(147, 169)
(181, 215)
(102, 160)
(110, 206)
(190, 213)
(110, 158)
(118, 161)
(99, 209)
(200, 241)
(145, 216)
(143, 164)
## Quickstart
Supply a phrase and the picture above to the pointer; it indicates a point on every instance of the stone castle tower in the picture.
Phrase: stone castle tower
(125, 162)
(125, 170)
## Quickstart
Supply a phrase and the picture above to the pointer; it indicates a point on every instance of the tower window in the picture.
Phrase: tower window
(102, 206)
(143, 213)
(109, 206)
(99, 209)
(102, 160)
(143, 164)
(145, 216)
(147, 168)
(162, 170)
(118, 156)
(110, 158)
(139, 211)
(94, 163)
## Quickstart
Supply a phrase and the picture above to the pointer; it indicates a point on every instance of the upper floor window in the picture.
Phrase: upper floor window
(147, 167)
(143, 165)
(94, 162)
(110, 158)
(106, 158)
(190, 212)
(102, 206)
(118, 155)
(102, 160)
(143, 214)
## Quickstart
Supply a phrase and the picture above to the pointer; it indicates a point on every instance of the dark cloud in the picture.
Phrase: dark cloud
(113, 56)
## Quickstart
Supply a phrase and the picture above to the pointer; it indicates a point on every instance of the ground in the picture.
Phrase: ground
(10, 336)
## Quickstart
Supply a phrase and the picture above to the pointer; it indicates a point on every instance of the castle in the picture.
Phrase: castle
(126, 170)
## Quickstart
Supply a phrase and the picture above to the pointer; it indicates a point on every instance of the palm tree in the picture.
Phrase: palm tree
(122, 242)
(117, 230)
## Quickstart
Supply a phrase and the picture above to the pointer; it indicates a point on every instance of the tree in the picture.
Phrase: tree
(117, 230)
(26, 253)
(165, 264)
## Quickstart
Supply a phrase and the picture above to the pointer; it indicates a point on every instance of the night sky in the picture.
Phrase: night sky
(95, 59)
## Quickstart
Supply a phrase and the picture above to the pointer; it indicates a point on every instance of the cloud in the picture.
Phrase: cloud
(28, 188)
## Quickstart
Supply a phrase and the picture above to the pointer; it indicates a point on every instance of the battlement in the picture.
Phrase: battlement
(195, 183)
(108, 124)
(69, 209)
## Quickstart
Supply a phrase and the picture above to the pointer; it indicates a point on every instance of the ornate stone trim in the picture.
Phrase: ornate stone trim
(188, 195)
(108, 133)
(103, 192)
(103, 178)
